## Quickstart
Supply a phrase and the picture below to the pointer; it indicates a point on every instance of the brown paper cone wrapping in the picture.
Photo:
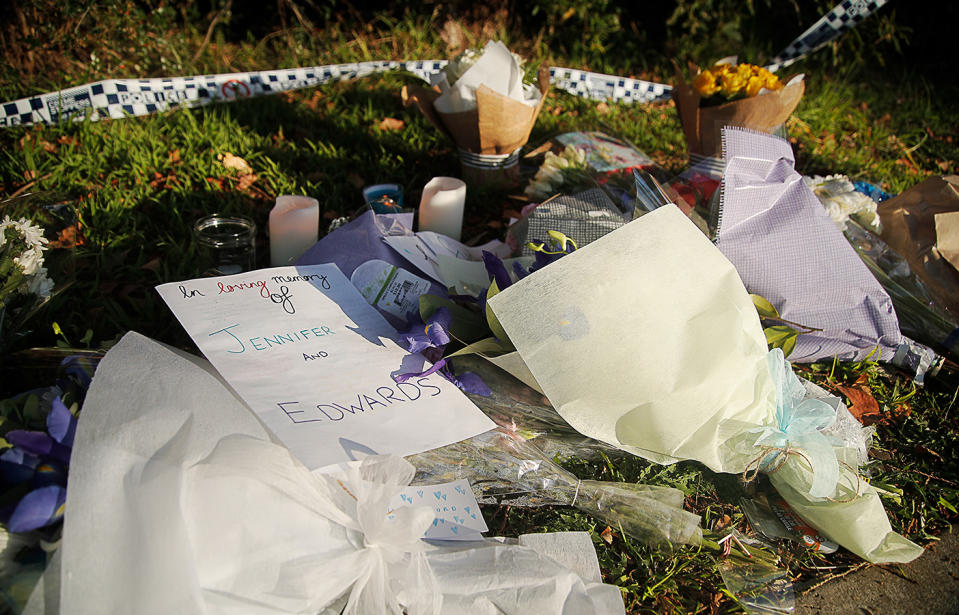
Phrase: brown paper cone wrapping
(703, 125)
(909, 227)
(499, 125)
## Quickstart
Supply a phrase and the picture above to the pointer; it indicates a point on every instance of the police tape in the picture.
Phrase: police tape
(847, 14)
(119, 98)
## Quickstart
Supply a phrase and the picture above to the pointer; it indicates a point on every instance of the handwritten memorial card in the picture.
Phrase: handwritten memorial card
(315, 362)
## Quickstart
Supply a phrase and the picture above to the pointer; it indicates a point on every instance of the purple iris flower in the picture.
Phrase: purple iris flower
(497, 270)
(467, 382)
(434, 333)
(37, 462)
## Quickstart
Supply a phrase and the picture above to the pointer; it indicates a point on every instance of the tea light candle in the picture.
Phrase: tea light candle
(441, 206)
(294, 228)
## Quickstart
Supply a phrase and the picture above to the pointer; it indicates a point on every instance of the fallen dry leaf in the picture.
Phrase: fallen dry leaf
(174, 157)
(607, 535)
(602, 107)
(246, 182)
(235, 162)
(862, 404)
(67, 238)
(452, 35)
(391, 123)
(722, 522)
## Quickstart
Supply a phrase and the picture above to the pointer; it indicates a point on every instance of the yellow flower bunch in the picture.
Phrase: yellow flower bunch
(735, 81)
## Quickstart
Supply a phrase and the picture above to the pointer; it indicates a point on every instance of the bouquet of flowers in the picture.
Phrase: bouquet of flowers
(728, 94)
(483, 103)
(23, 278)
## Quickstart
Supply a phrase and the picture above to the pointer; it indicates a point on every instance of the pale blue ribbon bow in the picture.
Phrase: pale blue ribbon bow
(798, 430)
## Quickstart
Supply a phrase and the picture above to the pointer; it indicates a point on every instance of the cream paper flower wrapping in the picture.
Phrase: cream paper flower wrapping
(646, 339)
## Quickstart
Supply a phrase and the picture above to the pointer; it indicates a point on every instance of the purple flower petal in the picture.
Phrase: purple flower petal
(472, 383)
(519, 271)
(39, 508)
(39, 443)
(61, 424)
(437, 329)
(419, 335)
(496, 268)
(436, 366)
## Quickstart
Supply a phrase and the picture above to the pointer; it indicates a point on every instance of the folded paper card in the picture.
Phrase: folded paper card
(647, 340)
(787, 249)
(180, 502)
(315, 361)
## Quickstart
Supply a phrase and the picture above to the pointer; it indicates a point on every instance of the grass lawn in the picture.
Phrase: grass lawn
(131, 189)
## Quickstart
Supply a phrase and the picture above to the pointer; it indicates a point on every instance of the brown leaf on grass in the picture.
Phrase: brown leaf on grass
(68, 237)
(235, 162)
(391, 123)
(862, 404)
(174, 157)
(722, 522)
(246, 182)
(314, 101)
(607, 535)
(452, 35)
(922, 449)
(30, 174)
(218, 182)
(65, 140)
(602, 107)
(37, 141)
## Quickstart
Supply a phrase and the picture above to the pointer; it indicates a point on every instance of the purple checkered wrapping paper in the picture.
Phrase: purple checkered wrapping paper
(787, 249)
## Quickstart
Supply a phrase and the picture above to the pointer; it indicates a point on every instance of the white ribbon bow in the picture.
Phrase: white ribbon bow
(381, 562)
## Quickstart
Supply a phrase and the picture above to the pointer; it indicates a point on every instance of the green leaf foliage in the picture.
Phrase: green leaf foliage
(764, 307)
(781, 336)
(468, 326)
(494, 326)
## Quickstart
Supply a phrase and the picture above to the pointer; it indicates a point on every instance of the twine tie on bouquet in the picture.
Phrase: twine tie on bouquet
(797, 430)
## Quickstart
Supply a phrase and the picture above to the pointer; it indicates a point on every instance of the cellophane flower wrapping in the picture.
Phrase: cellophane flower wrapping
(502, 463)
(647, 340)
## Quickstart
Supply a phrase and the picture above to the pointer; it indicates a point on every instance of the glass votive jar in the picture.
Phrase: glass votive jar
(226, 244)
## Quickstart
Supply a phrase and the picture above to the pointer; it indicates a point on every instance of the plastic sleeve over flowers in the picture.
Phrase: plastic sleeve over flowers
(500, 463)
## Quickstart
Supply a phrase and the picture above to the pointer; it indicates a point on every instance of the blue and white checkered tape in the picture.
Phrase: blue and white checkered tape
(119, 98)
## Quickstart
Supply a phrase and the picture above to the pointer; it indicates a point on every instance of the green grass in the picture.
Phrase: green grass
(134, 186)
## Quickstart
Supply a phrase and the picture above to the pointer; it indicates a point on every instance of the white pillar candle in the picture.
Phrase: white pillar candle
(441, 207)
(294, 228)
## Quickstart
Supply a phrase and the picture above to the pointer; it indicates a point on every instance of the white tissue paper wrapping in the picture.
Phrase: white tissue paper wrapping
(647, 340)
(498, 69)
(181, 502)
